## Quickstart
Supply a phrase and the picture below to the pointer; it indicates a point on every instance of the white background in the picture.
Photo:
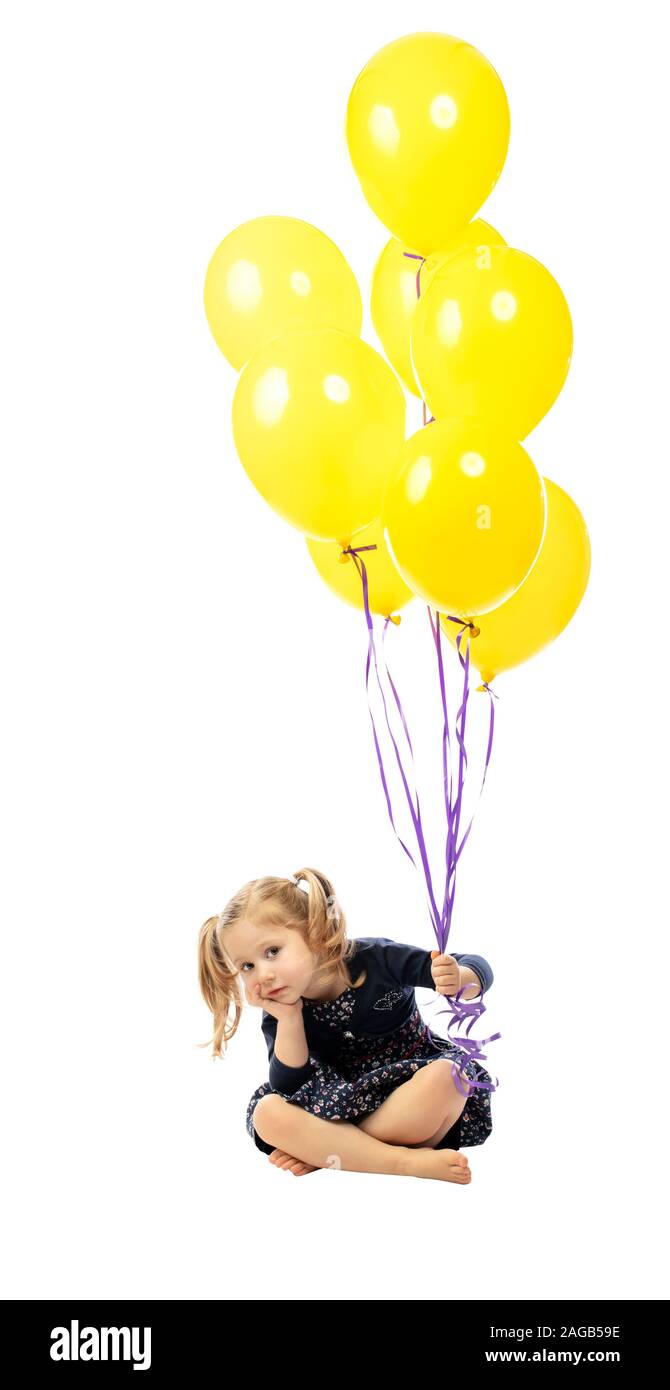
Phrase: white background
(184, 704)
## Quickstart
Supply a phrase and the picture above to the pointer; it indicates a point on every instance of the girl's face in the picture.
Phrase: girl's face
(277, 958)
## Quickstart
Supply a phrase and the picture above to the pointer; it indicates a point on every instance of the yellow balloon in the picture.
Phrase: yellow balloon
(492, 337)
(318, 421)
(394, 291)
(546, 601)
(463, 514)
(386, 590)
(272, 275)
(428, 129)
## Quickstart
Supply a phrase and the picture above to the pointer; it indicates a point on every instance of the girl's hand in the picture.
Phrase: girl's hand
(272, 1006)
(446, 973)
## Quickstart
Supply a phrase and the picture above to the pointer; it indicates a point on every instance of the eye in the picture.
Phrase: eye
(248, 962)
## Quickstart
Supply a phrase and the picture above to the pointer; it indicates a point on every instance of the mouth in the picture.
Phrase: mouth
(272, 992)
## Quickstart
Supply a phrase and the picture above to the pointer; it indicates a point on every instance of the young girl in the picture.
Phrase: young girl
(353, 1081)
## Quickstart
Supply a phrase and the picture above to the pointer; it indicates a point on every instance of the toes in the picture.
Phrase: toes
(280, 1159)
(286, 1161)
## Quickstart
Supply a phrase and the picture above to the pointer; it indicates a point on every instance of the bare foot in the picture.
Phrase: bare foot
(293, 1165)
(447, 1165)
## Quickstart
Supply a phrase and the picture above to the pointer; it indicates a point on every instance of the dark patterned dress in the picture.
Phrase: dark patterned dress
(365, 1069)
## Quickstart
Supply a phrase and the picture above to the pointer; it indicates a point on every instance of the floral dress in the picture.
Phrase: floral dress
(366, 1070)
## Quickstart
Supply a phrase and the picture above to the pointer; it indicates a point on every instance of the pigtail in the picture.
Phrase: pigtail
(326, 922)
(220, 988)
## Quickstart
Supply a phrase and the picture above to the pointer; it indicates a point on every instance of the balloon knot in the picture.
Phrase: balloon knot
(394, 618)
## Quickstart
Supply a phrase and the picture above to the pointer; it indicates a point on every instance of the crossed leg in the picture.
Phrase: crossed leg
(327, 1144)
(409, 1115)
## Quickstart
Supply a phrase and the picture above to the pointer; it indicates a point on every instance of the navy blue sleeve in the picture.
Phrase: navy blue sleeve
(282, 1077)
(411, 965)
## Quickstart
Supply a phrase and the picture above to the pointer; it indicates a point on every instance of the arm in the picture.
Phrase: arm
(473, 981)
(476, 970)
(411, 965)
(289, 1071)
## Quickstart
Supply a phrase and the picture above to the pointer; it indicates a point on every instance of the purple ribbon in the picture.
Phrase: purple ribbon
(462, 1011)
(413, 256)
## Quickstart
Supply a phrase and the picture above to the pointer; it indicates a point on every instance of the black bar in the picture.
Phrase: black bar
(488, 1338)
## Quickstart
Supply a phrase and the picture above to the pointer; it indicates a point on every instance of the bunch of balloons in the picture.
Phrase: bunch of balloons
(458, 512)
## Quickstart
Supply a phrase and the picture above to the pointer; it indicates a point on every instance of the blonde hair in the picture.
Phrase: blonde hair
(316, 914)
